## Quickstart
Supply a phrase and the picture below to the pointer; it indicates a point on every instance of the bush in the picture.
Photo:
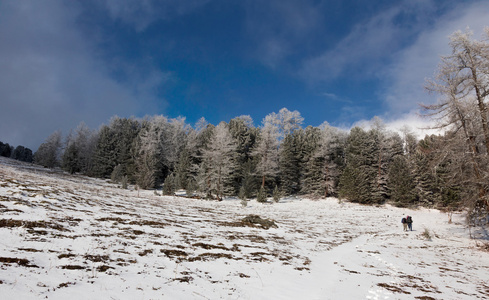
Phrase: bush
(426, 234)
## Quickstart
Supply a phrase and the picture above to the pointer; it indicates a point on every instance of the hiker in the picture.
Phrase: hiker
(409, 221)
(404, 224)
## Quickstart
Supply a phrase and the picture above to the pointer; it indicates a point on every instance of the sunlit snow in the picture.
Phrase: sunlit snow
(74, 237)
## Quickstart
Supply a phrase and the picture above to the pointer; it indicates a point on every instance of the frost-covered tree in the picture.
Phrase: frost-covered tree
(323, 166)
(219, 161)
(149, 152)
(462, 82)
(285, 122)
(188, 168)
(79, 150)
(48, 154)
(266, 151)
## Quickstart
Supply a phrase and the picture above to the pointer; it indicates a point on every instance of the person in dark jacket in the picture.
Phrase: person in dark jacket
(404, 224)
(409, 221)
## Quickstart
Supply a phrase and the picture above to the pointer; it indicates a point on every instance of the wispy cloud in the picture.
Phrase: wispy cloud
(278, 28)
(52, 77)
(371, 42)
(141, 13)
(335, 97)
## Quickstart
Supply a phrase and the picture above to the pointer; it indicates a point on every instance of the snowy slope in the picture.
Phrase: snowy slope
(75, 237)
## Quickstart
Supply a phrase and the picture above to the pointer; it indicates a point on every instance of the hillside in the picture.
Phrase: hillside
(65, 236)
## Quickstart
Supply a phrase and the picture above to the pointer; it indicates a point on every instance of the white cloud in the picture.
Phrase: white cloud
(411, 121)
(51, 77)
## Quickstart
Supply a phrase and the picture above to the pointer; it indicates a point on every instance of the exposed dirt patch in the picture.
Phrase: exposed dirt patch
(174, 253)
(65, 284)
(208, 246)
(104, 268)
(393, 288)
(211, 256)
(252, 221)
(19, 261)
(73, 267)
(10, 223)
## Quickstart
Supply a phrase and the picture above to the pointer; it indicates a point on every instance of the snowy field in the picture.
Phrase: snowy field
(74, 237)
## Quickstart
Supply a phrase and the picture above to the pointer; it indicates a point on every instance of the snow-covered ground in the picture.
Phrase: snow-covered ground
(74, 237)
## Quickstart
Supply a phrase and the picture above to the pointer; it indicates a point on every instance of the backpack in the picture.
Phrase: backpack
(409, 220)
(403, 220)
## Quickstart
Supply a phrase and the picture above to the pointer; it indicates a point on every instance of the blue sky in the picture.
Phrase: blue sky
(344, 62)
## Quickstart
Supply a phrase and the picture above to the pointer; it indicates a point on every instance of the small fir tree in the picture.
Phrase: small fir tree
(262, 195)
(169, 185)
(276, 194)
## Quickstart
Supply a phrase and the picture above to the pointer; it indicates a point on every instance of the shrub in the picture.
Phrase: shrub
(426, 234)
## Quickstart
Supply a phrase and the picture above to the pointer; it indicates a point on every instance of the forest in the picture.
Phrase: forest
(281, 158)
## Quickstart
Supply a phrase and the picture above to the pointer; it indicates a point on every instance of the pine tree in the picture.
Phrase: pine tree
(401, 182)
(290, 163)
(169, 185)
(114, 146)
(22, 153)
(262, 195)
(244, 135)
(359, 178)
(5, 150)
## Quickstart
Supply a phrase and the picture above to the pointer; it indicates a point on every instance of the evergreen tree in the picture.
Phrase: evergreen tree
(5, 150)
(401, 182)
(114, 146)
(169, 185)
(70, 159)
(262, 195)
(244, 135)
(22, 153)
(290, 163)
(359, 178)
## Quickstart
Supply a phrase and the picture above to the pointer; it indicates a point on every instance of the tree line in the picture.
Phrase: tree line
(238, 159)
(281, 158)
(19, 153)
